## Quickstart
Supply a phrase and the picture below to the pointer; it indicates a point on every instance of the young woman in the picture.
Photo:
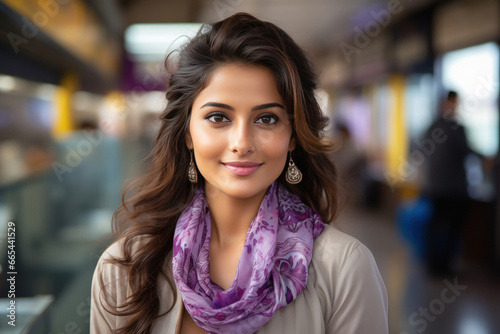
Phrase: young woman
(228, 232)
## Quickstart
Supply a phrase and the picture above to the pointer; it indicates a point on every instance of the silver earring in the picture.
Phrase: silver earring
(192, 174)
(293, 174)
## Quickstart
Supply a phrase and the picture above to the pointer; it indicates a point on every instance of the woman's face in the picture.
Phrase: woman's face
(240, 131)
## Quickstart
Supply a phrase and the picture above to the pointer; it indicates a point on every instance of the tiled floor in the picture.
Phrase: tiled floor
(466, 304)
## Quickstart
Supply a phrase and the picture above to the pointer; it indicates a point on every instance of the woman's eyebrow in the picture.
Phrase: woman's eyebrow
(228, 107)
(217, 105)
(267, 106)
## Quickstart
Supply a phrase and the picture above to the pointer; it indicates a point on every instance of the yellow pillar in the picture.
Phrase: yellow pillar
(63, 118)
(397, 139)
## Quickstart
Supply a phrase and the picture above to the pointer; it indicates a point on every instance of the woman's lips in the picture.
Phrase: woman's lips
(242, 168)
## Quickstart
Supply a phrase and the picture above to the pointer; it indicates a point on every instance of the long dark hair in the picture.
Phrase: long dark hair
(164, 192)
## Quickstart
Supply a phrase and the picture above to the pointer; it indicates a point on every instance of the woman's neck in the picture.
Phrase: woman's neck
(231, 217)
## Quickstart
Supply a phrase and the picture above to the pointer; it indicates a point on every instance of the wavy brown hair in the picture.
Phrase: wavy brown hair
(164, 192)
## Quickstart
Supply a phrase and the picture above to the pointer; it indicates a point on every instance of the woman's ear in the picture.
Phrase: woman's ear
(189, 141)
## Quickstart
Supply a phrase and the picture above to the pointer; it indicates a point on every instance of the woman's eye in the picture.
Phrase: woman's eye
(217, 118)
(267, 119)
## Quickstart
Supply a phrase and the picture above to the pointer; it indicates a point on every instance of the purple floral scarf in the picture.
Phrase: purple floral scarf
(272, 270)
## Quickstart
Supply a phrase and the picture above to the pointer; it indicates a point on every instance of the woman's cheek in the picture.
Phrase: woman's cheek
(275, 142)
(207, 141)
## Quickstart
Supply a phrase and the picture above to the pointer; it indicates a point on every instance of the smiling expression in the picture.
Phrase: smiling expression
(240, 131)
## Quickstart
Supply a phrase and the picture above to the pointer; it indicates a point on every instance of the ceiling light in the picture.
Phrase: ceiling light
(150, 42)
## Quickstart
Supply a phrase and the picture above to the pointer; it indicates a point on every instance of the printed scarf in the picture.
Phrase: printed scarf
(272, 270)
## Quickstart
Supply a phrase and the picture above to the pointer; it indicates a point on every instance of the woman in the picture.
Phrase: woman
(225, 233)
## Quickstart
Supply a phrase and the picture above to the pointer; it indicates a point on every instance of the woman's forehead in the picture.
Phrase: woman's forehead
(236, 83)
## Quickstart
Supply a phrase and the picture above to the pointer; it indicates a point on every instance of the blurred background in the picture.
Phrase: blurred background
(82, 83)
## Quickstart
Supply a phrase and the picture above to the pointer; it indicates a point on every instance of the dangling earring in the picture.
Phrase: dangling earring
(192, 174)
(293, 174)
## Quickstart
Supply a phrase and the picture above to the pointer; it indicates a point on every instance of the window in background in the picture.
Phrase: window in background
(419, 104)
(473, 73)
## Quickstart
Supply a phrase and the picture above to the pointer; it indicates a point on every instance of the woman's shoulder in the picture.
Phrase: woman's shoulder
(117, 249)
(109, 271)
(112, 253)
(109, 264)
(111, 287)
(336, 251)
(333, 241)
(349, 284)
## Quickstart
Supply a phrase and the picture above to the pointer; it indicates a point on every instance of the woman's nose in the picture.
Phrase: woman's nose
(242, 141)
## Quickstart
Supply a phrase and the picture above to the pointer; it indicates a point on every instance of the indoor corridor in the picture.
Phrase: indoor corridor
(83, 84)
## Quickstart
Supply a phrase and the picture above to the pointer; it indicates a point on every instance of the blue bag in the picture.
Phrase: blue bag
(413, 217)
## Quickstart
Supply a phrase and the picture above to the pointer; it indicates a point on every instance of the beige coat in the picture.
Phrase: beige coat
(344, 295)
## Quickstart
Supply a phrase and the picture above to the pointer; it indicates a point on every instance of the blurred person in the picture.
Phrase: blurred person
(39, 154)
(445, 184)
(347, 157)
(227, 233)
(350, 161)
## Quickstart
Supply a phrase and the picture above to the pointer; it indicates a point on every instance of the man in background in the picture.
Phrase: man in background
(445, 184)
